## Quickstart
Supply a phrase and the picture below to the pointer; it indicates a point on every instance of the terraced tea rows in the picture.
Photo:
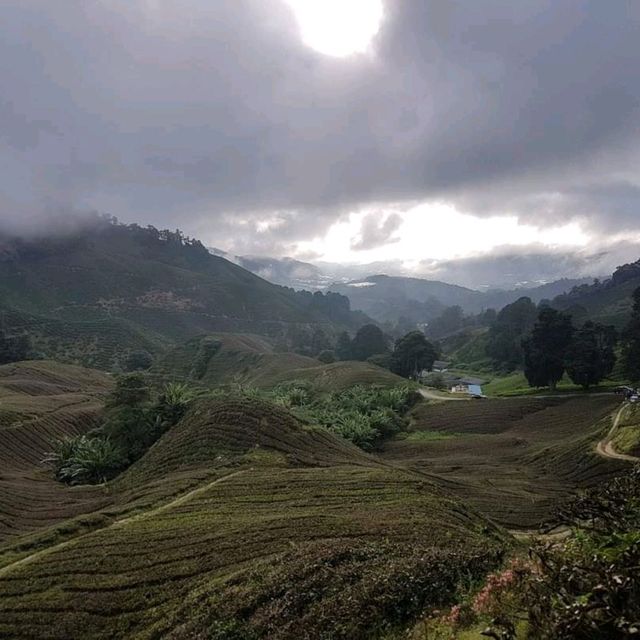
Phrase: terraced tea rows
(513, 459)
(40, 403)
(123, 579)
(261, 484)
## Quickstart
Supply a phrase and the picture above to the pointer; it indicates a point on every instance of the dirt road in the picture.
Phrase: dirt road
(605, 446)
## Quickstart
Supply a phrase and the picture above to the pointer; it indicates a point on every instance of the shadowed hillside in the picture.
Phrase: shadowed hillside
(91, 295)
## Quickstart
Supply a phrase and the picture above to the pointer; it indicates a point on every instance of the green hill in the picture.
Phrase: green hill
(240, 520)
(108, 288)
(245, 359)
(608, 301)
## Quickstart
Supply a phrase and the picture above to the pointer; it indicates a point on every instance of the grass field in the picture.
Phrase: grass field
(512, 459)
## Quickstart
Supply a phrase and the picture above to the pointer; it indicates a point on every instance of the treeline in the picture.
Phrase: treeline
(407, 356)
(547, 343)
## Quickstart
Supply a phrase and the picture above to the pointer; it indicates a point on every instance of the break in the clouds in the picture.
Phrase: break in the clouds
(219, 118)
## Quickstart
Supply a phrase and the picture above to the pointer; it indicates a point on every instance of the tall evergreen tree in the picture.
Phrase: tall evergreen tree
(412, 354)
(631, 343)
(368, 341)
(591, 355)
(545, 349)
(514, 321)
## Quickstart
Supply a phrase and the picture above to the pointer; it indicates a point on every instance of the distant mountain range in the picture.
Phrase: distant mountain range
(388, 298)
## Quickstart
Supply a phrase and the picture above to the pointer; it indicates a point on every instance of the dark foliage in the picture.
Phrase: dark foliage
(631, 342)
(343, 346)
(591, 356)
(139, 360)
(368, 341)
(545, 349)
(14, 348)
(512, 323)
(412, 354)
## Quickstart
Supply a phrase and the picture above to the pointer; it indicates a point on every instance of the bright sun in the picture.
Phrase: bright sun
(338, 27)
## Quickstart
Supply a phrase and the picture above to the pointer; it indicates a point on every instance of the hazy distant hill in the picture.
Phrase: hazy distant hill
(111, 287)
(390, 297)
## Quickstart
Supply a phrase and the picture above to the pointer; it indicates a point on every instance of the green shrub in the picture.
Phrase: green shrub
(85, 460)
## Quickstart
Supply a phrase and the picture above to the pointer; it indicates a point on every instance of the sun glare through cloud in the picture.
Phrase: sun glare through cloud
(338, 27)
(439, 231)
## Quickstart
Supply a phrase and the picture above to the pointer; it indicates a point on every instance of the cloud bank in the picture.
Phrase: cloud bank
(215, 117)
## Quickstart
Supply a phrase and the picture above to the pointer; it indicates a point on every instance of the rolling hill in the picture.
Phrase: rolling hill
(107, 288)
(240, 518)
(250, 360)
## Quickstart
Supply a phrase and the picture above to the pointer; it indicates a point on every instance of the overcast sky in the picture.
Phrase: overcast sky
(456, 128)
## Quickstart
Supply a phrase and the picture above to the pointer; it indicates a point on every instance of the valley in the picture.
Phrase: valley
(241, 496)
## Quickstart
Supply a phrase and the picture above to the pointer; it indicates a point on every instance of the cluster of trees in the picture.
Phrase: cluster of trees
(453, 319)
(631, 343)
(555, 346)
(134, 419)
(587, 354)
(511, 325)
(409, 356)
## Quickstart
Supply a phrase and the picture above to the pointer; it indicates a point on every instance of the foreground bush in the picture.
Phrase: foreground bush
(587, 588)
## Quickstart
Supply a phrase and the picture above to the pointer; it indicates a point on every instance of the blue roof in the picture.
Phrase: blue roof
(475, 389)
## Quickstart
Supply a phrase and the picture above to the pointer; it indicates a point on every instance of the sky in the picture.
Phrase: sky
(345, 131)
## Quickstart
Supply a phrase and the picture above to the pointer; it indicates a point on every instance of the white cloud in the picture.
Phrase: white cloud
(438, 232)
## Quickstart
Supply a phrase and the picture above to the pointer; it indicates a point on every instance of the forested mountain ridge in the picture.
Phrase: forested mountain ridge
(153, 288)
(608, 301)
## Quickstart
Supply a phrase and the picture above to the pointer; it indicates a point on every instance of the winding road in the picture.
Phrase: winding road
(605, 446)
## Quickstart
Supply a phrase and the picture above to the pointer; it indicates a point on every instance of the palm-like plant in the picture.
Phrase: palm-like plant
(84, 460)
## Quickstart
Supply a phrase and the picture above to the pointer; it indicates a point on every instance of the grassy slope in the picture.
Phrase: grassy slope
(627, 438)
(250, 360)
(239, 483)
(510, 458)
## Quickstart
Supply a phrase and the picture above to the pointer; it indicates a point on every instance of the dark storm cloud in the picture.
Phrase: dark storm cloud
(213, 116)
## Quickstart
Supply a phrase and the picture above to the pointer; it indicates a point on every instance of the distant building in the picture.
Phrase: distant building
(440, 366)
(474, 390)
